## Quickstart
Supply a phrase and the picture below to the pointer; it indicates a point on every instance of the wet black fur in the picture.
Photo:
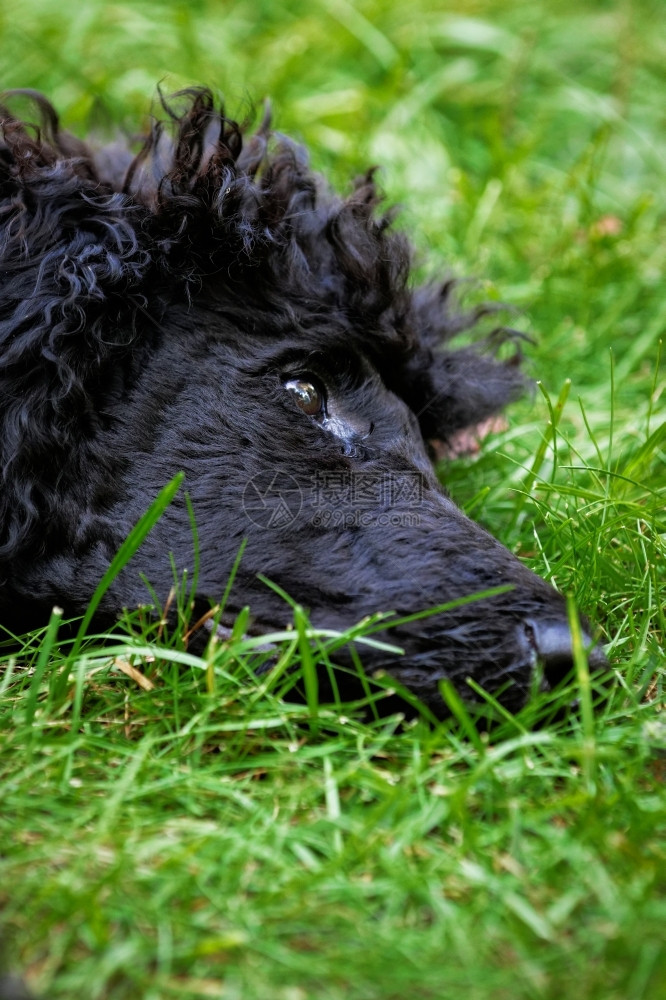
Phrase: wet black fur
(151, 310)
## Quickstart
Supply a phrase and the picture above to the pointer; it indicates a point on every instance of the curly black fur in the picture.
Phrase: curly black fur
(152, 310)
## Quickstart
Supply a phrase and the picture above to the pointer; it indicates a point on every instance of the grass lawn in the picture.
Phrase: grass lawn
(170, 828)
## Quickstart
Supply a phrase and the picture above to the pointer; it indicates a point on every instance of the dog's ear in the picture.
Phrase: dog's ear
(69, 248)
(451, 389)
(71, 265)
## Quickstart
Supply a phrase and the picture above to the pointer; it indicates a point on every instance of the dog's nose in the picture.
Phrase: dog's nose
(551, 641)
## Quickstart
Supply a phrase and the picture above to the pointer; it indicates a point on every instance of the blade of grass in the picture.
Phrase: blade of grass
(547, 440)
(310, 678)
(458, 710)
(585, 695)
(132, 543)
(45, 653)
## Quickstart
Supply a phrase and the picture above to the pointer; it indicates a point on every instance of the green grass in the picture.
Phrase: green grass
(172, 828)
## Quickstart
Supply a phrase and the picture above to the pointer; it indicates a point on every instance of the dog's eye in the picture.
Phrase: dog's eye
(306, 395)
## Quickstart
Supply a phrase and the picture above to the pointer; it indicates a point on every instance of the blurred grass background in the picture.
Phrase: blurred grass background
(168, 844)
(525, 140)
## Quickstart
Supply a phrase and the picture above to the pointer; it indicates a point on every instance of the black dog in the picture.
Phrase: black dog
(210, 306)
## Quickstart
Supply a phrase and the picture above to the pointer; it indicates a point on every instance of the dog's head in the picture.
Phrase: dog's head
(208, 305)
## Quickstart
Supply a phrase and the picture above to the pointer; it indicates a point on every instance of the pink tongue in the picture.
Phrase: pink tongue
(468, 440)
